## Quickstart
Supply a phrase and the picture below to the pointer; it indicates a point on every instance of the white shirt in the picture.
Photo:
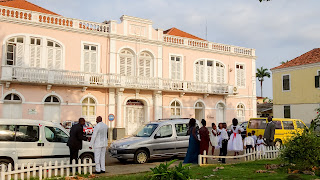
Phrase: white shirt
(254, 138)
(248, 141)
(224, 134)
(99, 136)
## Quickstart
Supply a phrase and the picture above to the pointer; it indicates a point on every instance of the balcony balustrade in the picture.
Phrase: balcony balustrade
(81, 79)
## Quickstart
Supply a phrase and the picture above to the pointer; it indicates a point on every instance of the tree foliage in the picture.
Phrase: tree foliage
(261, 74)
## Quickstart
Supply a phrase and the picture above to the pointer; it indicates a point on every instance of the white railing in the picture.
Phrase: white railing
(72, 78)
(208, 45)
(270, 152)
(10, 13)
(48, 170)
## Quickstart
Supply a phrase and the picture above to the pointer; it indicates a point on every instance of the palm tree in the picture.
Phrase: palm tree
(261, 73)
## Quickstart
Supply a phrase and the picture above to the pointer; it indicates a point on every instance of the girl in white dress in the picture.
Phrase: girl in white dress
(214, 137)
(261, 145)
(235, 142)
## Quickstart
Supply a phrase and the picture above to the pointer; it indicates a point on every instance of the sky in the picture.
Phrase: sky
(279, 30)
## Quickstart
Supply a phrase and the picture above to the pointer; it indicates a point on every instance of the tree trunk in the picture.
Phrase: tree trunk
(261, 88)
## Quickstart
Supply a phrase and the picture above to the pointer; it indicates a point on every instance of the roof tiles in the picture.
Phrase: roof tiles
(309, 57)
(22, 4)
(177, 32)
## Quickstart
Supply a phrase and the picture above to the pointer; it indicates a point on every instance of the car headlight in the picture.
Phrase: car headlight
(124, 146)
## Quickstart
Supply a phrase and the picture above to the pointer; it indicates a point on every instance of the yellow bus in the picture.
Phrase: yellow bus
(285, 128)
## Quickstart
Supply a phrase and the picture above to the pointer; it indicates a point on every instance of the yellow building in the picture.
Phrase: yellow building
(296, 91)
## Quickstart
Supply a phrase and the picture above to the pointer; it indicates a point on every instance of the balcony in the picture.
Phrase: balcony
(11, 74)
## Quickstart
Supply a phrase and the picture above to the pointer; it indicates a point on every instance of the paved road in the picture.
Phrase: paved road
(114, 167)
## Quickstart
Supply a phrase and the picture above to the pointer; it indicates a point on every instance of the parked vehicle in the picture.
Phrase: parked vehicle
(161, 139)
(28, 141)
(285, 128)
(87, 128)
(242, 125)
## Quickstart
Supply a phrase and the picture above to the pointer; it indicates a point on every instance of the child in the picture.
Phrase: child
(214, 137)
(260, 145)
(235, 143)
(254, 137)
(219, 139)
(249, 142)
(224, 142)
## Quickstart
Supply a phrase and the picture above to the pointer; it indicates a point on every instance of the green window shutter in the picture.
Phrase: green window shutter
(316, 81)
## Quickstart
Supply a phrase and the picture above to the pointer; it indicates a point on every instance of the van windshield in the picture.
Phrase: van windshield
(145, 131)
(257, 124)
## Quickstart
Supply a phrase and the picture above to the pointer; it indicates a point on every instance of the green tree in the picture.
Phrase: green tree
(283, 62)
(261, 74)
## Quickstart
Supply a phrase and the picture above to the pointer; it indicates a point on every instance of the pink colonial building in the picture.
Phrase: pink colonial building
(55, 68)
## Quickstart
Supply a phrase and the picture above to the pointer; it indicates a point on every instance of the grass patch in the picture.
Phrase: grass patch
(245, 170)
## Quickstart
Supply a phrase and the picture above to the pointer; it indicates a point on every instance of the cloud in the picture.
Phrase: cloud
(278, 30)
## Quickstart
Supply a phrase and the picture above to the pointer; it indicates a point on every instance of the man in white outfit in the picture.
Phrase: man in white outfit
(99, 142)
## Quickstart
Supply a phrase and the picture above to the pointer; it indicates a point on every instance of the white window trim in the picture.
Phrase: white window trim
(245, 74)
(44, 39)
(289, 82)
(98, 55)
(290, 110)
(244, 109)
(182, 67)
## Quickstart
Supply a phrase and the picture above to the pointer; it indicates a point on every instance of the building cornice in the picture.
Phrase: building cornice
(292, 68)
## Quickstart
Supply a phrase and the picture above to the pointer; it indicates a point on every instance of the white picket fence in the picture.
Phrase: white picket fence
(270, 152)
(48, 170)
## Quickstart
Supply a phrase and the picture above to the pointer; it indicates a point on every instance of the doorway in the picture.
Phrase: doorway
(220, 113)
(135, 116)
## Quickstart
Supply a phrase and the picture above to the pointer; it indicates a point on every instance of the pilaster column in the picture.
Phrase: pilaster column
(119, 94)
(112, 104)
(157, 105)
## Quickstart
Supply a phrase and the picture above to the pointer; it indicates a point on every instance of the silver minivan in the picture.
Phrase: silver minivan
(160, 139)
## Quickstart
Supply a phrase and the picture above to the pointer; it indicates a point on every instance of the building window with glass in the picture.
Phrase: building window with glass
(15, 51)
(286, 112)
(175, 109)
(176, 67)
(220, 68)
(241, 112)
(240, 73)
(54, 54)
(89, 109)
(285, 82)
(90, 58)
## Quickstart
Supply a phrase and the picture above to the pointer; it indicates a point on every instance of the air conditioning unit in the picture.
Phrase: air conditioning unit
(235, 90)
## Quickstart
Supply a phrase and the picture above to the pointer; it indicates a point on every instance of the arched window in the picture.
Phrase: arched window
(15, 51)
(11, 98)
(89, 109)
(145, 64)
(220, 72)
(52, 100)
(126, 63)
(54, 53)
(240, 112)
(12, 107)
(175, 109)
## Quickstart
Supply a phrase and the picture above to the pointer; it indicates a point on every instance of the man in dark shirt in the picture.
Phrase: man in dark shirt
(75, 140)
(269, 132)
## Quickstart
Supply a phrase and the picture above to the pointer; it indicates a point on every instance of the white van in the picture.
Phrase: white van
(29, 141)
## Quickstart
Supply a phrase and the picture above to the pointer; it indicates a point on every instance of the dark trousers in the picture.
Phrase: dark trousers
(74, 153)
(248, 147)
(224, 149)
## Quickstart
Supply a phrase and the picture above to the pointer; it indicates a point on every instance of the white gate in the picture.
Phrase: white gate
(12, 111)
(52, 113)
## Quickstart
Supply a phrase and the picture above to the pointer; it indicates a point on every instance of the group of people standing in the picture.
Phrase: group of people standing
(217, 138)
(98, 141)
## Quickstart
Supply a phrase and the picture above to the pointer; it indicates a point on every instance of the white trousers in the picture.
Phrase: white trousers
(100, 158)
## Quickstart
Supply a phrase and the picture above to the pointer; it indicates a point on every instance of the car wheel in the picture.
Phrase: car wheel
(141, 156)
(86, 157)
(122, 160)
(6, 163)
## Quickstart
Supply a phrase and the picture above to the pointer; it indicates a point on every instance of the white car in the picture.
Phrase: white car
(28, 141)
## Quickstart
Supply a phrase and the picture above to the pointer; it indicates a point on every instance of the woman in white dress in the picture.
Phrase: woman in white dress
(214, 137)
(235, 142)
